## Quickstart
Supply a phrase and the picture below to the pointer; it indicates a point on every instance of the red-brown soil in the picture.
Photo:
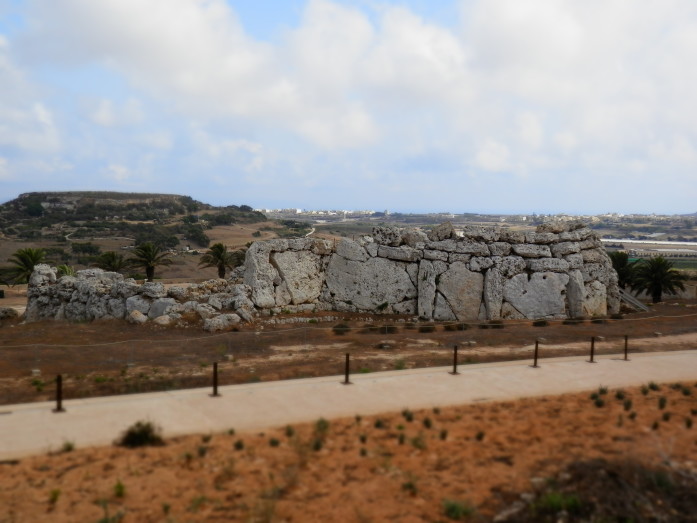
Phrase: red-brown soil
(598, 462)
(114, 357)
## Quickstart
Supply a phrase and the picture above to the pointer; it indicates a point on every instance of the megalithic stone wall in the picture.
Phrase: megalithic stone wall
(558, 271)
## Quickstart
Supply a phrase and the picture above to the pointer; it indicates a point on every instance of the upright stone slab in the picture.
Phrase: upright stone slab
(301, 273)
(542, 296)
(463, 290)
(427, 289)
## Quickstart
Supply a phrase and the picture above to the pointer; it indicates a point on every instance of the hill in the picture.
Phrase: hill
(166, 219)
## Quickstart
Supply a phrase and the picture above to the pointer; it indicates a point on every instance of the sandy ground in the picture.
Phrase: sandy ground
(485, 459)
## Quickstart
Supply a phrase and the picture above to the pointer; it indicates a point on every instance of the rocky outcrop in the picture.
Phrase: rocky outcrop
(557, 271)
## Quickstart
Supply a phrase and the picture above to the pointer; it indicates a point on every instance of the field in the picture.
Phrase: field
(625, 454)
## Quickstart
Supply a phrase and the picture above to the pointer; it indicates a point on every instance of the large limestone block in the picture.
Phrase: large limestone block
(564, 248)
(511, 265)
(509, 312)
(322, 247)
(443, 231)
(160, 307)
(137, 317)
(370, 284)
(474, 248)
(138, 303)
(527, 250)
(594, 256)
(493, 293)
(402, 253)
(259, 274)
(8, 313)
(481, 233)
(283, 297)
(413, 272)
(124, 289)
(390, 236)
(302, 274)
(96, 307)
(441, 245)
(508, 236)
(412, 236)
(575, 260)
(117, 308)
(500, 249)
(548, 264)
(463, 290)
(435, 255)
(221, 323)
(541, 296)
(481, 263)
(575, 294)
(541, 237)
(351, 250)
(405, 307)
(427, 289)
(153, 290)
(442, 310)
(575, 235)
(595, 303)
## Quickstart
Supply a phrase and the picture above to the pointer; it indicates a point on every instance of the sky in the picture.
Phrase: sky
(485, 106)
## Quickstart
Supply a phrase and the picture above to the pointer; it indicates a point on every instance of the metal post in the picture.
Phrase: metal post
(346, 371)
(215, 380)
(59, 394)
(454, 372)
(626, 348)
(592, 350)
(537, 345)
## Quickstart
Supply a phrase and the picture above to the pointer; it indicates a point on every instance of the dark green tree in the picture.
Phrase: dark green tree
(23, 262)
(218, 256)
(623, 267)
(148, 256)
(656, 276)
(111, 261)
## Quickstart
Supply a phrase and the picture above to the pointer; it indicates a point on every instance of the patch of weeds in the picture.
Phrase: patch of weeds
(666, 416)
(627, 404)
(317, 444)
(644, 390)
(599, 402)
(274, 442)
(594, 396)
(100, 379)
(382, 306)
(400, 427)
(662, 402)
(53, 496)
(321, 427)
(202, 451)
(196, 503)
(602, 390)
(364, 370)
(654, 386)
(68, 446)
(632, 415)
(418, 442)
(410, 487)
(239, 444)
(676, 386)
(340, 329)
(141, 434)
(686, 391)
(166, 507)
(457, 510)
(620, 395)
(119, 489)
(230, 432)
(480, 435)
(443, 434)
(693, 412)
(428, 423)
(38, 384)
(363, 438)
(290, 431)
(408, 415)
(206, 438)
(554, 502)
(400, 364)
(402, 437)
(436, 410)
(358, 419)
(654, 426)
(363, 452)
(379, 424)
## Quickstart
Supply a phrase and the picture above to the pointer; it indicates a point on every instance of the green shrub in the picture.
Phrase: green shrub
(419, 442)
(654, 386)
(627, 404)
(379, 424)
(599, 402)
(427, 423)
(239, 444)
(408, 415)
(443, 434)
(632, 415)
(554, 502)
(274, 442)
(317, 444)
(457, 510)
(141, 434)
(119, 489)
(321, 427)
(620, 395)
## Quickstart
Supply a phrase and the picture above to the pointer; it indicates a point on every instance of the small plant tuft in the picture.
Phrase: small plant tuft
(290, 431)
(627, 404)
(274, 442)
(540, 323)
(654, 426)
(119, 489)
(688, 423)
(379, 424)
(141, 434)
(662, 402)
(53, 496)
(443, 435)
(632, 415)
(654, 386)
(620, 395)
(239, 444)
(408, 415)
(666, 416)
(480, 435)
(428, 423)
(457, 510)
(599, 402)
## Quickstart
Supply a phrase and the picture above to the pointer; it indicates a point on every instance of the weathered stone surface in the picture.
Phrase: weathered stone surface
(499, 249)
(457, 257)
(368, 285)
(443, 231)
(439, 266)
(595, 303)
(205, 311)
(301, 272)
(575, 260)
(435, 255)
(542, 296)
(493, 293)
(221, 323)
(481, 263)
(413, 272)
(123, 289)
(474, 248)
(405, 307)
(116, 308)
(412, 237)
(371, 249)
(527, 250)
(403, 253)
(442, 310)
(509, 236)
(160, 306)
(259, 274)
(564, 248)
(351, 250)
(511, 265)
(441, 245)
(390, 236)
(541, 237)
(575, 294)
(282, 295)
(575, 235)
(137, 317)
(322, 247)
(509, 312)
(548, 264)
(153, 290)
(462, 289)
(7, 313)
(594, 256)
(138, 303)
(481, 233)
(164, 321)
(427, 289)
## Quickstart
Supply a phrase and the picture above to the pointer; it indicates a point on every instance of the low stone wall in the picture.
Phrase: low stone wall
(558, 271)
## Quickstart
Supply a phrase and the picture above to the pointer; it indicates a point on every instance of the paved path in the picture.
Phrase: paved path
(33, 428)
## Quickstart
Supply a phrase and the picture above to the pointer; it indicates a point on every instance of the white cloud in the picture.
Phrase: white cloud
(110, 114)
(117, 173)
(4, 169)
(493, 156)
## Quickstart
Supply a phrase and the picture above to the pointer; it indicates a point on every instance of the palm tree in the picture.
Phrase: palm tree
(23, 262)
(623, 267)
(218, 256)
(111, 261)
(656, 276)
(148, 255)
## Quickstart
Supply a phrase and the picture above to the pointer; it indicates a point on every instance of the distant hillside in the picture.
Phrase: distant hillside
(162, 218)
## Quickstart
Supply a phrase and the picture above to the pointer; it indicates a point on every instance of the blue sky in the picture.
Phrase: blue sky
(515, 106)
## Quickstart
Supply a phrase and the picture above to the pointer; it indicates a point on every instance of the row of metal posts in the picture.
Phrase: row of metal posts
(454, 372)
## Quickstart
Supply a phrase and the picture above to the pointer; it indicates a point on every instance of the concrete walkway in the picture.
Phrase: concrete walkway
(33, 428)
